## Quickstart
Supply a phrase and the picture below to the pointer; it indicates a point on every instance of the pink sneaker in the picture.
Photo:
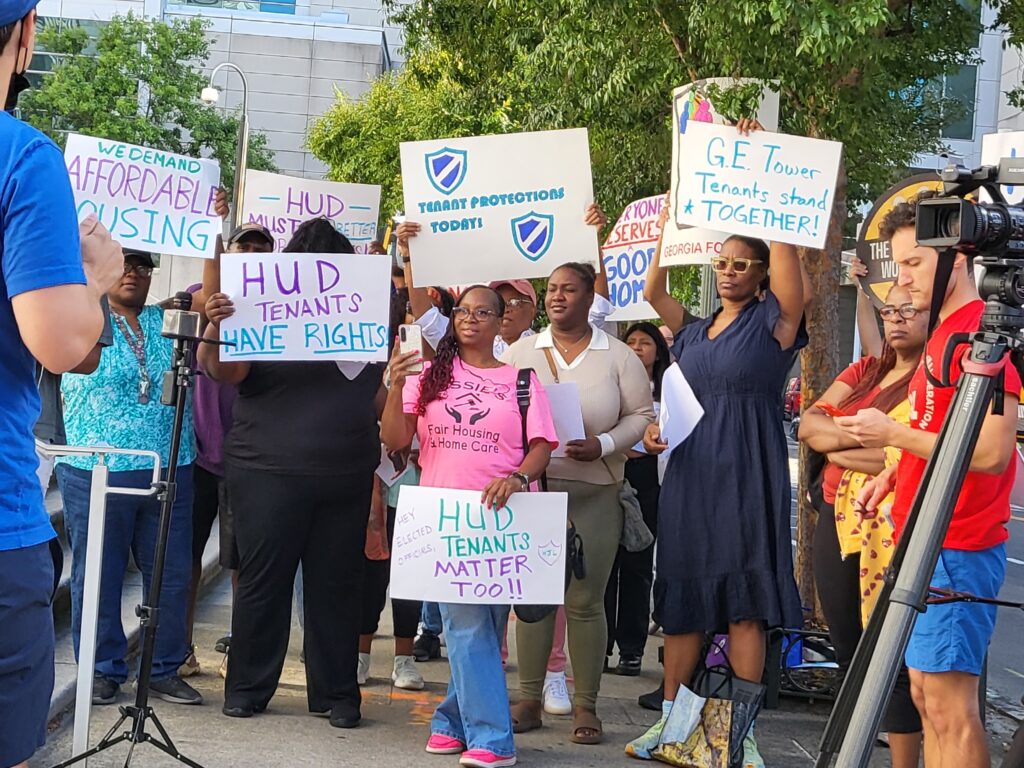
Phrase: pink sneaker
(481, 758)
(439, 744)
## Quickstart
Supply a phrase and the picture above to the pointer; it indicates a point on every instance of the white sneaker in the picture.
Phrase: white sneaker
(363, 670)
(406, 676)
(556, 694)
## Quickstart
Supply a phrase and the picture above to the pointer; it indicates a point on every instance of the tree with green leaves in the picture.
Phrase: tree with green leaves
(138, 82)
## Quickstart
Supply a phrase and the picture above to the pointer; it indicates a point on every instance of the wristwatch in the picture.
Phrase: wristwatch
(523, 478)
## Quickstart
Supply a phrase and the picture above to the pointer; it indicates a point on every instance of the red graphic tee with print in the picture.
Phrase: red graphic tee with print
(983, 509)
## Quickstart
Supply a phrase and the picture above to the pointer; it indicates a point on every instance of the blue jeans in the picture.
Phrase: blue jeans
(430, 618)
(475, 711)
(132, 524)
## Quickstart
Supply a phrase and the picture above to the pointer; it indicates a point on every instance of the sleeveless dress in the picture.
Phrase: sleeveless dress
(724, 536)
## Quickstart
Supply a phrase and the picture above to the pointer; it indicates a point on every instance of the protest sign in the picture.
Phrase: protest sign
(627, 255)
(450, 548)
(150, 200)
(875, 251)
(306, 306)
(692, 103)
(998, 146)
(498, 207)
(281, 203)
(767, 185)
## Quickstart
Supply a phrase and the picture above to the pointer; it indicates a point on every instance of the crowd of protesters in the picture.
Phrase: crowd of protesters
(303, 516)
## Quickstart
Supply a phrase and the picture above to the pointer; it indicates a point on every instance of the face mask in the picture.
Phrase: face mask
(19, 83)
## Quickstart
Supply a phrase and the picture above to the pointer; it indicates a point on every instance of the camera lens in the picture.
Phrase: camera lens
(949, 224)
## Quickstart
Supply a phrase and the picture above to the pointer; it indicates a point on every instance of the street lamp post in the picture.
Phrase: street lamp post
(211, 95)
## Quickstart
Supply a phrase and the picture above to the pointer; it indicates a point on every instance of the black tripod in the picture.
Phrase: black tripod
(853, 725)
(182, 326)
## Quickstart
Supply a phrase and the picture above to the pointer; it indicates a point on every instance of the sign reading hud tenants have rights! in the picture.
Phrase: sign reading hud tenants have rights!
(450, 548)
(281, 203)
(306, 306)
(150, 200)
(767, 185)
(498, 207)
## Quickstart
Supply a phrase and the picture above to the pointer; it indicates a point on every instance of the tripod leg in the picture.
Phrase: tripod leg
(103, 744)
(166, 746)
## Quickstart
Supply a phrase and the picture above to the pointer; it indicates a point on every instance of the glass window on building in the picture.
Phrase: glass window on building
(263, 6)
(43, 61)
(962, 88)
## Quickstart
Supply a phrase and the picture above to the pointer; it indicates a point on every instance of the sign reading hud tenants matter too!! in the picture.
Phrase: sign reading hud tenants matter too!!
(306, 306)
(498, 207)
(768, 185)
(281, 203)
(150, 200)
(450, 548)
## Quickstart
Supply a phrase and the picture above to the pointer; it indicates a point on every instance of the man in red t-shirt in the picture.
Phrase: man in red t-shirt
(947, 649)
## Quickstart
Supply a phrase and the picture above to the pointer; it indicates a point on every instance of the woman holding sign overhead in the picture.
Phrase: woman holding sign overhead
(299, 462)
(724, 554)
(466, 385)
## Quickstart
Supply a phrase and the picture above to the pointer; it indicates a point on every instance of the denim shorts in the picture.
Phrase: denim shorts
(954, 637)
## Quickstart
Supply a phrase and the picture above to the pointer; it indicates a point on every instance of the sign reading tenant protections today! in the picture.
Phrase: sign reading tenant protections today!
(767, 185)
(150, 200)
(450, 548)
(281, 203)
(306, 306)
(498, 207)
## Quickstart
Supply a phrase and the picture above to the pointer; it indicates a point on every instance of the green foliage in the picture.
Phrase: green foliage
(140, 85)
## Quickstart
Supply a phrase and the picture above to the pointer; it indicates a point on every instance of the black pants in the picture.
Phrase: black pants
(404, 613)
(627, 600)
(838, 583)
(283, 520)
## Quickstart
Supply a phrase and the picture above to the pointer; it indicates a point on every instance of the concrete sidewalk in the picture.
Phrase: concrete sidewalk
(395, 723)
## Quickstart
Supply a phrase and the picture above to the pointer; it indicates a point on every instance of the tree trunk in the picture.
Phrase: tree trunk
(819, 365)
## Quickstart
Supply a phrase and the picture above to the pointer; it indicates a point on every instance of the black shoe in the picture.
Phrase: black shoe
(104, 690)
(223, 644)
(629, 666)
(427, 647)
(241, 710)
(654, 699)
(175, 690)
(345, 716)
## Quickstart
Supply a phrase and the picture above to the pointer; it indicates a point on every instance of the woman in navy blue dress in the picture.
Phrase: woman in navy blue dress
(724, 540)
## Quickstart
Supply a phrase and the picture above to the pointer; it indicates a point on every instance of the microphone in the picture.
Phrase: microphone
(181, 322)
(181, 325)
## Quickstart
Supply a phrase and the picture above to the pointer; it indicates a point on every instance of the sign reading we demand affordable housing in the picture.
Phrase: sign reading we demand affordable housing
(150, 200)
(498, 207)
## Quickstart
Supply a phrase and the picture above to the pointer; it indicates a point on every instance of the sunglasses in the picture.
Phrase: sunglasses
(480, 314)
(517, 303)
(739, 265)
(138, 269)
(906, 311)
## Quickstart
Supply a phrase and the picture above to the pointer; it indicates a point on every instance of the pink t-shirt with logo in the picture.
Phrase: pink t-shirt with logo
(473, 434)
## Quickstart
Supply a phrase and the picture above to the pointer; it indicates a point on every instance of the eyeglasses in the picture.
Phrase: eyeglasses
(480, 314)
(138, 269)
(739, 265)
(906, 311)
(517, 303)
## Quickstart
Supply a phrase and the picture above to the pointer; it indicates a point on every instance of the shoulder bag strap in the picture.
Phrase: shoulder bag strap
(523, 400)
(551, 364)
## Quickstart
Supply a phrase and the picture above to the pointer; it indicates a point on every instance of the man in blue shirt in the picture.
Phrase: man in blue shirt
(51, 281)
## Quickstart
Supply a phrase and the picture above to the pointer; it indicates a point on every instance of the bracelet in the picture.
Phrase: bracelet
(522, 477)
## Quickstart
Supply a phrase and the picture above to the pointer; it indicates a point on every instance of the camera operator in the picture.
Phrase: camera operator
(51, 282)
(946, 653)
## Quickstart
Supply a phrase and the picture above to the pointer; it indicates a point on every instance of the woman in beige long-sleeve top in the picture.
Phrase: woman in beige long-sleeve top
(616, 398)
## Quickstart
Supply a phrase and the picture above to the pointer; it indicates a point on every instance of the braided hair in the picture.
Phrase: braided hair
(435, 381)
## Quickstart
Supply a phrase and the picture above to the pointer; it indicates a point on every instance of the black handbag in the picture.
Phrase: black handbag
(575, 563)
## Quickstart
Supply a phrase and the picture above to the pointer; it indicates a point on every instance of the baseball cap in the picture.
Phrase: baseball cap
(144, 256)
(525, 287)
(249, 228)
(15, 10)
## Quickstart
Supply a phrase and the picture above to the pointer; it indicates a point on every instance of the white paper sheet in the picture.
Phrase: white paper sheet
(680, 409)
(567, 414)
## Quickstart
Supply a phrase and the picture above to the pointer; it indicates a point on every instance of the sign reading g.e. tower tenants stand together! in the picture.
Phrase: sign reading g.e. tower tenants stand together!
(150, 200)
(498, 207)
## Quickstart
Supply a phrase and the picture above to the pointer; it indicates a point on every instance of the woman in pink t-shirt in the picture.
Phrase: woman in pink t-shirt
(465, 412)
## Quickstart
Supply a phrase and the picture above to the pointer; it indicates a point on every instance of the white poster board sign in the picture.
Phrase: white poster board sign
(690, 104)
(281, 203)
(306, 306)
(995, 147)
(449, 548)
(498, 207)
(627, 255)
(149, 200)
(768, 185)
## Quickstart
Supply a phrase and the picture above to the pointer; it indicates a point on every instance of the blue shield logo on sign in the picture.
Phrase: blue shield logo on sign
(446, 168)
(532, 234)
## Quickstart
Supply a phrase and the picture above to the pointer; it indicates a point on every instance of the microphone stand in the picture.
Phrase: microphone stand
(182, 326)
